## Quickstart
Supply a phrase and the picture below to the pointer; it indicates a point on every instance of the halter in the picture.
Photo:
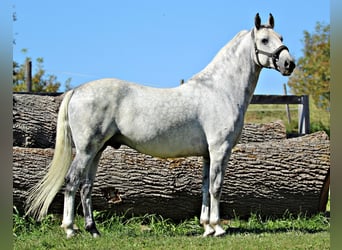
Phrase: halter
(274, 55)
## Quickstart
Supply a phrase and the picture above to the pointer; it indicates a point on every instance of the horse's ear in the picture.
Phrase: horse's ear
(271, 21)
(257, 21)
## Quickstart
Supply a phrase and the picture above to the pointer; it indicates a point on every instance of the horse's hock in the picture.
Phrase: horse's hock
(267, 173)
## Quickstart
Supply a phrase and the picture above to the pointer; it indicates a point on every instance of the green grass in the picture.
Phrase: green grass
(154, 232)
(265, 113)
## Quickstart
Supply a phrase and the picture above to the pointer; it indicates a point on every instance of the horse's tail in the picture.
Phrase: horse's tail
(42, 194)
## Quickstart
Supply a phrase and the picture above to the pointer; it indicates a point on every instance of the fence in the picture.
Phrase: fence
(303, 107)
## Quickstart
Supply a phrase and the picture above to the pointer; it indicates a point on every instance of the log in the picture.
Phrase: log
(263, 132)
(270, 178)
(34, 120)
(35, 117)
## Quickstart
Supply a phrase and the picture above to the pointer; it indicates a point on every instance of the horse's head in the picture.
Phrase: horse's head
(270, 52)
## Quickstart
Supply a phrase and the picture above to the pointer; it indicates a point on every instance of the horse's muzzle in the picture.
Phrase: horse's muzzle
(286, 66)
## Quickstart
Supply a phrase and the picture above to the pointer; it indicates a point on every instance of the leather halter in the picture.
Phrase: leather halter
(274, 55)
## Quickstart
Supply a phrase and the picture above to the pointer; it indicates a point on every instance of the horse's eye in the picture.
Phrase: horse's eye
(264, 41)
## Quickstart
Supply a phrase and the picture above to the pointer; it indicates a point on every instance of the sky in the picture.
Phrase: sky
(150, 42)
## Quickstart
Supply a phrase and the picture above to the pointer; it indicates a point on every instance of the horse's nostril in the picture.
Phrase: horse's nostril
(293, 65)
(289, 65)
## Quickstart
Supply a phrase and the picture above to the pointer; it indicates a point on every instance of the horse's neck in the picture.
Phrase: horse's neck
(233, 71)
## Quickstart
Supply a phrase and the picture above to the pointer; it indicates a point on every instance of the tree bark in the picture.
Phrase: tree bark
(35, 117)
(34, 120)
(269, 177)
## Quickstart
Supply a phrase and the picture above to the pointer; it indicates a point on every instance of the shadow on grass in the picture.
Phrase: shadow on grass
(289, 223)
(234, 230)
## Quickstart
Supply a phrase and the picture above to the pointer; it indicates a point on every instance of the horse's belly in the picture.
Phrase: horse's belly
(167, 150)
(171, 144)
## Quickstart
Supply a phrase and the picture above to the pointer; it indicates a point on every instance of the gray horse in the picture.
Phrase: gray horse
(203, 117)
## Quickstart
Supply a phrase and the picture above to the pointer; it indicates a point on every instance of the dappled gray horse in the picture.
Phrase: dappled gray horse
(203, 117)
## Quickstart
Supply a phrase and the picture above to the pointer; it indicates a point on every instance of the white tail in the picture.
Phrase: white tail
(42, 194)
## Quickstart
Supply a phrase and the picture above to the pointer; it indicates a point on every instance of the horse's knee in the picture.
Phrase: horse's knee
(74, 177)
(86, 189)
(71, 184)
(216, 183)
(216, 189)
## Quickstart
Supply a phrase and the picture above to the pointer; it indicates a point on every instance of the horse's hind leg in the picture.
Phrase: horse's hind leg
(86, 190)
(77, 172)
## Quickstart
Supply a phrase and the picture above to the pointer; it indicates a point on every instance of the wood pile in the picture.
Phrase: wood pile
(267, 173)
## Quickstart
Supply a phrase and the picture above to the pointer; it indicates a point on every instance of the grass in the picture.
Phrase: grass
(264, 113)
(154, 232)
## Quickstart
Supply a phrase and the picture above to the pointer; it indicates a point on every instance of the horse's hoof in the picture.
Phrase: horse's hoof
(208, 230)
(70, 233)
(91, 228)
(74, 227)
(96, 235)
(219, 231)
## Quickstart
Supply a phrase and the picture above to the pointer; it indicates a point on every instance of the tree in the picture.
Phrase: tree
(40, 81)
(312, 74)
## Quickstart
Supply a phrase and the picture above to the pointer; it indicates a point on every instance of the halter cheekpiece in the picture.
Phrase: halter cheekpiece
(274, 55)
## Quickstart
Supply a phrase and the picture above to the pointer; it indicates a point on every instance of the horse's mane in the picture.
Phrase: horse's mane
(236, 38)
(233, 42)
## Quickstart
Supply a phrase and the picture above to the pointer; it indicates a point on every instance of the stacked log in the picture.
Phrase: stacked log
(266, 174)
(34, 120)
(35, 117)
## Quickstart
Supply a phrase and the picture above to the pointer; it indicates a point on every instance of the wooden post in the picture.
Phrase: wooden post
(304, 116)
(28, 75)
(288, 114)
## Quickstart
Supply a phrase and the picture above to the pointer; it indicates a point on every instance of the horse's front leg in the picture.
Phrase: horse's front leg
(218, 162)
(205, 212)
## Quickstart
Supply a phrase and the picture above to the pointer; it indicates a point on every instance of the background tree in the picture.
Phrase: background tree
(312, 74)
(40, 81)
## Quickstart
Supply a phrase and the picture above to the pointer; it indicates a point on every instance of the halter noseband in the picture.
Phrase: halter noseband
(274, 55)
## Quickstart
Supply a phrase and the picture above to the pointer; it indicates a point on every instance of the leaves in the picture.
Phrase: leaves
(312, 74)
(40, 81)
